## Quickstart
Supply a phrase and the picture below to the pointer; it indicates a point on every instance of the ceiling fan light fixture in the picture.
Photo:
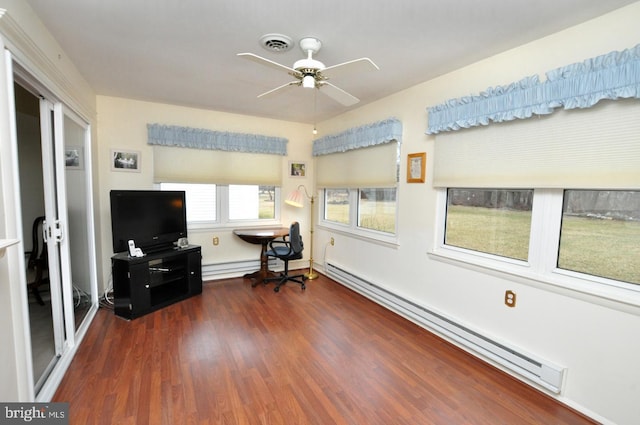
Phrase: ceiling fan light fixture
(308, 82)
(308, 72)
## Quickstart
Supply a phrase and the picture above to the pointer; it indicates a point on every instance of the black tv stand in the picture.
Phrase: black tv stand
(145, 284)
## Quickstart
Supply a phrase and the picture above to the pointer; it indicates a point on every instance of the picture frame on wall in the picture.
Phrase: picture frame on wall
(74, 157)
(125, 160)
(297, 169)
(416, 167)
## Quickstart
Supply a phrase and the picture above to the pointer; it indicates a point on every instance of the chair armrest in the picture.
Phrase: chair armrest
(280, 243)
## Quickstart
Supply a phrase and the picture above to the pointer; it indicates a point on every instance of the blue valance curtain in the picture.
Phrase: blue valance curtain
(580, 85)
(197, 138)
(377, 133)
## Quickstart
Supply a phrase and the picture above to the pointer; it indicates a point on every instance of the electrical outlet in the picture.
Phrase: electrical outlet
(333, 242)
(510, 298)
(216, 240)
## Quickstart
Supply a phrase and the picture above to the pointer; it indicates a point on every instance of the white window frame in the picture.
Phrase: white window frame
(222, 213)
(540, 269)
(352, 228)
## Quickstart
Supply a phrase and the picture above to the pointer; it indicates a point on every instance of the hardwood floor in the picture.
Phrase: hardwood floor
(242, 355)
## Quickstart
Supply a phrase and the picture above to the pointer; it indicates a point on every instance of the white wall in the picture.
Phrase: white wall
(122, 124)
(598, 343)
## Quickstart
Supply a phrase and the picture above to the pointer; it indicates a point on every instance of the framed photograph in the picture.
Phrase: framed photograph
(297, 169)
(123, 160)
(415, 167)
(74, 158)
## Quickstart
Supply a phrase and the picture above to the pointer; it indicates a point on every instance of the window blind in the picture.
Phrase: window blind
(596, 148)
(184, 165)
(373, 167)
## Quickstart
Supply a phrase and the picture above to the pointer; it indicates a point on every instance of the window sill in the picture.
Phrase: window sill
(372, 236)
(615, 295)
(204, 227)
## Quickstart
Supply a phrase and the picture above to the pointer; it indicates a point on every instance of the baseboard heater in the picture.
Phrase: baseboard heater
(531, 367)
(233, 268)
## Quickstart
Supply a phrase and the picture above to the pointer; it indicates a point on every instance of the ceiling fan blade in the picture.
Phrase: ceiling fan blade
(354, 66)
(270, 92)
(267, 62)
(338, 94)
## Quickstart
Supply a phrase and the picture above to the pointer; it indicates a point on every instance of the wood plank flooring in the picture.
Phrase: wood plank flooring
(243, 355)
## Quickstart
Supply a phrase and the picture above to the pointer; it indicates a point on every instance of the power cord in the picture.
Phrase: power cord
(80, 297)
(106, 300)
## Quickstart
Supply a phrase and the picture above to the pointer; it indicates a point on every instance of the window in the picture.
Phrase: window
(588, 240)
(581, 233)
(366, 212)
(336, 205)
(358, 171)
(251, 202)
(377, 209)
(200, 199)
(220, 204)
(600, 234)
(494, 221)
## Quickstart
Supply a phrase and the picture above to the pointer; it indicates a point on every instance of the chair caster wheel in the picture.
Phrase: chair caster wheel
(304, 286)
(276, 289)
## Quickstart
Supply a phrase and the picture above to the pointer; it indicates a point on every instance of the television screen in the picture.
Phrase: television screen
(154, 219)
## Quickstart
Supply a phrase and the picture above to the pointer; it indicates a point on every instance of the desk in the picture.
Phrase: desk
(261, 236)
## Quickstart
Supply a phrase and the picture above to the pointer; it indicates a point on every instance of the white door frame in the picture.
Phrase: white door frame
(55, 222)
(18, 298)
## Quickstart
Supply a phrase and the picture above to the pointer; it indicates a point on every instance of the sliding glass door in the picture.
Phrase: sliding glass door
(77, 162)
(55, 183)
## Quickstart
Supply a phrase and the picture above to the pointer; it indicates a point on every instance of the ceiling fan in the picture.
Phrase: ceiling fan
(310, 73)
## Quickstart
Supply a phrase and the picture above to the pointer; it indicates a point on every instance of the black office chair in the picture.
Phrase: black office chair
(289, 248)
(37, 263)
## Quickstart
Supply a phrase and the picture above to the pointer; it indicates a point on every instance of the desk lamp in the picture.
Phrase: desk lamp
(296, 199)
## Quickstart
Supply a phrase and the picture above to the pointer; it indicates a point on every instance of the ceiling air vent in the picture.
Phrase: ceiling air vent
(276, 42)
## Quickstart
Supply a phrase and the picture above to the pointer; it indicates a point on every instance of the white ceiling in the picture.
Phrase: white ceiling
(184, 51)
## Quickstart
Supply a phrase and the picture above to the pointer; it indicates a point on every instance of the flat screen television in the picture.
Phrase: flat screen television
(154, 219)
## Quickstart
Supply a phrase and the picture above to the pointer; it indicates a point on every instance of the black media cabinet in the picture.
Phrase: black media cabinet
(145, 284)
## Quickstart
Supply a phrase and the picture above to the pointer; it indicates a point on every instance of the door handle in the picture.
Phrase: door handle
(45, 228)
(54, 231)
(58, 234)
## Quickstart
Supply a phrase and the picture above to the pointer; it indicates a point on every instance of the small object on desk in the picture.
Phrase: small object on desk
(261, 236)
